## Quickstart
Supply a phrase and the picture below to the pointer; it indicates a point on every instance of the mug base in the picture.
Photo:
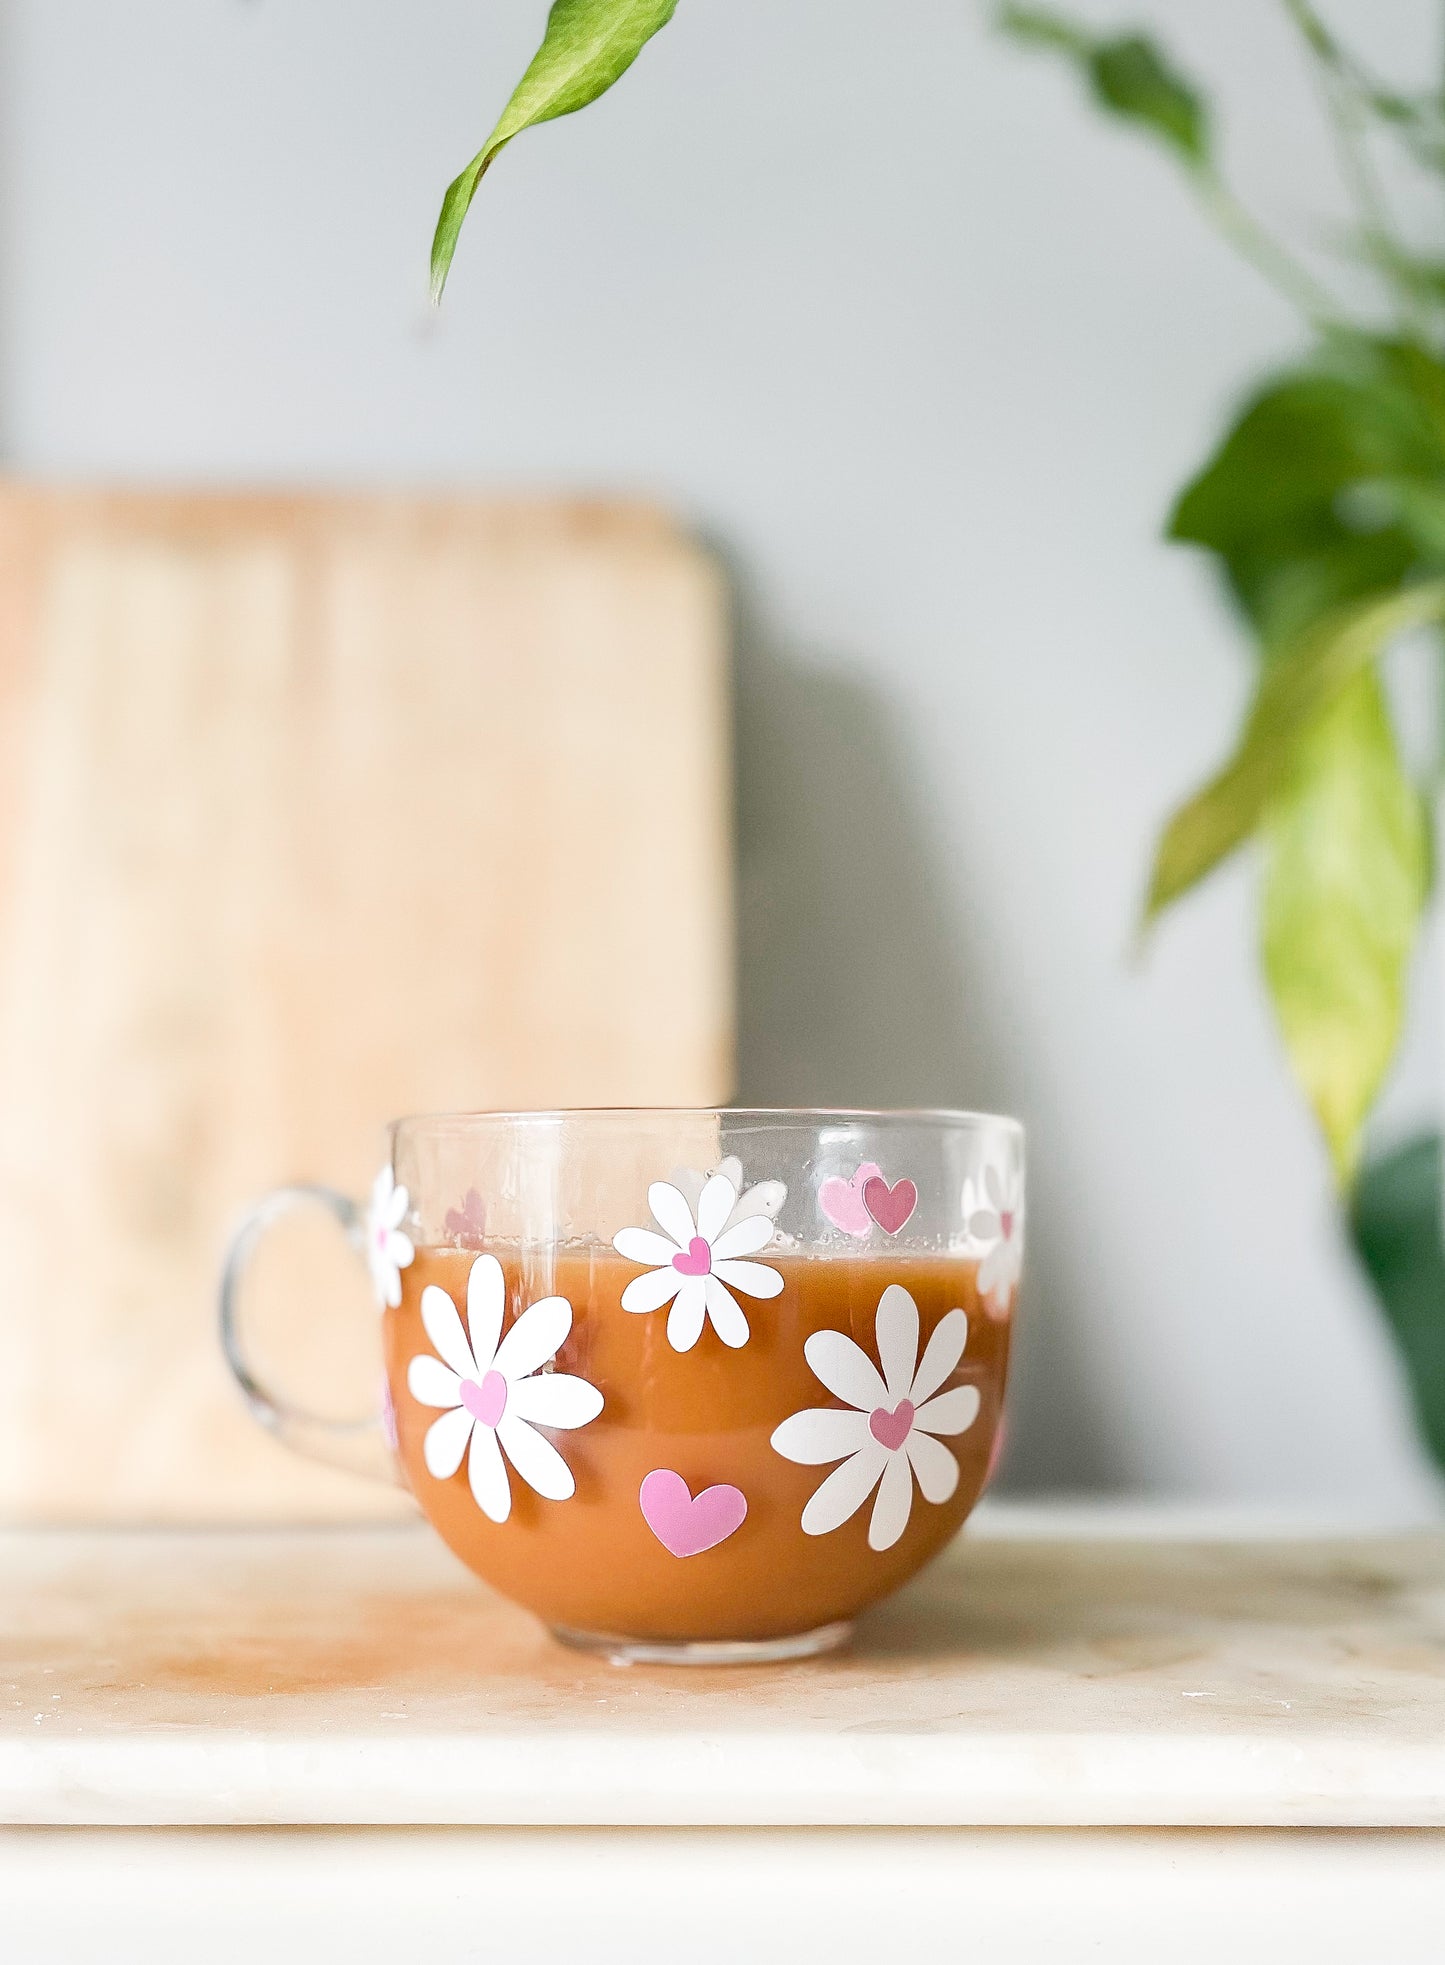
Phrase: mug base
(705, 1651)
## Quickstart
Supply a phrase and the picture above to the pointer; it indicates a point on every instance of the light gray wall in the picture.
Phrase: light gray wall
(924, 350)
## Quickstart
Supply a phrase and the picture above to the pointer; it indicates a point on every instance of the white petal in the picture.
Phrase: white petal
(643, 1245)
(486, 1300)
(941, 1355)
(671, 1212)
(1005, 1278)
(821, 1434)
(555, 1398)
(651, 1290)
(431, 1383)
(381, 1192)
(715, 1204)
(687, 1315)
(752, 1278)
(535, 1459)
(444, 1327)
(396, 1206)
(746, 1238)
(1003, 1265)
(848, 1372)
(727, 1317)
(385, 1278)
(732, 1169)
(897, 1330)
(991, 1270)
(446, 1442)
(993, 1188)
(894, 1504)
(845, 1490)
(491, 1489)
(951, 1412)
(689, 1184)
(766, 1198)
(935, 1466)
(400, 1249)
(537, 1335)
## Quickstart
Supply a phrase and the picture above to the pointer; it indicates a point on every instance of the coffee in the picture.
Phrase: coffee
(687, 1519)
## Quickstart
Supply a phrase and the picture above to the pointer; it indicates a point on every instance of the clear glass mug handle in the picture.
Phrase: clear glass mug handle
(359, 1445)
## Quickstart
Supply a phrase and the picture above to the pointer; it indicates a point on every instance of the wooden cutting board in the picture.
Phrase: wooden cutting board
(314, 811)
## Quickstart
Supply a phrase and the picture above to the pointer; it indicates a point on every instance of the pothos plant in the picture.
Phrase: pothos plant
(1323, 508)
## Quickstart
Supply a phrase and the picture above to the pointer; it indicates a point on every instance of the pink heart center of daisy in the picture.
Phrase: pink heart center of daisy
(488, 1401)
(1006, 1222)
(697, 1261)
(891, 1429)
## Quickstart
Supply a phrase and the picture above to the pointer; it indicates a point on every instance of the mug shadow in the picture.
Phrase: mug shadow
(856, 986)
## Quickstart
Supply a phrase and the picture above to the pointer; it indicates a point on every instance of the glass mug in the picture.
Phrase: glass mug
(694, 1386)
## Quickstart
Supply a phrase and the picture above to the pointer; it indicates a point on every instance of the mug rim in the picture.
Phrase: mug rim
(802, 1115)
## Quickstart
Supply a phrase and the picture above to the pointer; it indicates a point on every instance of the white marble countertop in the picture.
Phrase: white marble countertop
(1039, 1674)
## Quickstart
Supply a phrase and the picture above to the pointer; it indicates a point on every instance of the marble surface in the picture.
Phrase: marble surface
(1061, 1678)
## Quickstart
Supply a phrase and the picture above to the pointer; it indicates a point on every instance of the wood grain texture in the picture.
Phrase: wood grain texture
(314, 811)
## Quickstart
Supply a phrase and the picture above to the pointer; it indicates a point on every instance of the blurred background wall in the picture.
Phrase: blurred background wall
(922, 350)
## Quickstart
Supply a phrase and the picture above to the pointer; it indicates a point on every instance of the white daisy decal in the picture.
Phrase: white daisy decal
(388, 1250)
(888, 1436)
(993, 1216)
(496, 1394)
(697, 1262)
(766, 1198)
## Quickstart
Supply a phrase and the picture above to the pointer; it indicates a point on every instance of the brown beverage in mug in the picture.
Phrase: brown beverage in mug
(593, 1563)
(721, 1434)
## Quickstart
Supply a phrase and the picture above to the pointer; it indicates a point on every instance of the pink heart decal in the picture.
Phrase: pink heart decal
(891, 1429)
(488, 1401)
(686, 1524)
(842, 1201)
(889, 1206)
(697, 1261)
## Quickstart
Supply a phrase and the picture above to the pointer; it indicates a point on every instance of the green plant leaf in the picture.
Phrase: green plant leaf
(1395, 1223)
(1346, 870)
(1294, 502)
(1416, 373)
(1128, 75)
(586, 46)
(1133, 79)
(1297, 444)
(1294, 592)
(1040, 28)
(1294, 689)
(1419, 514)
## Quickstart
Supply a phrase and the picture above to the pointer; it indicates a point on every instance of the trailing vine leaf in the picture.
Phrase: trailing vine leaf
(1296, 444)
(1296, 688)
(1039, 27)
(1323, 501)
(1305, 501)
(1419, 511)
(1346, 874)
(1395, 1220)
(586, 46)
(1128, 75)
(1417, 373)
